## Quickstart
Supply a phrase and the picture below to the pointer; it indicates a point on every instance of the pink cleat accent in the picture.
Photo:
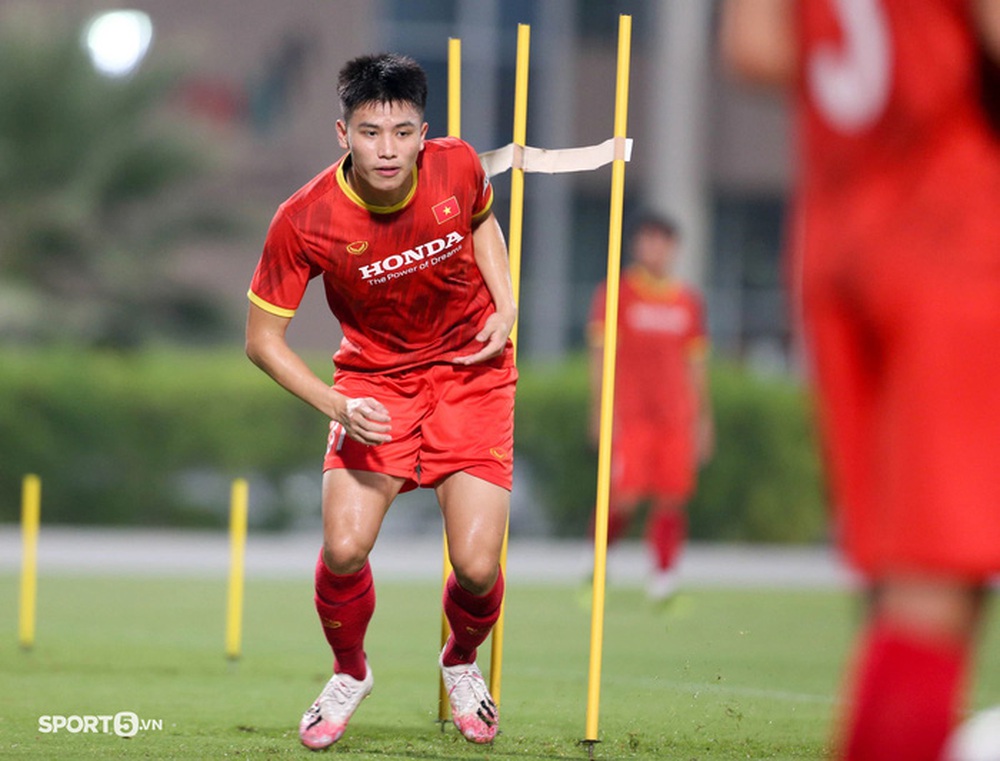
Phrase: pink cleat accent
(326, 720)
(472, 708)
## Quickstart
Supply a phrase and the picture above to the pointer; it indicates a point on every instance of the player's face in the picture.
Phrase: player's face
(655, 251)
(385, 140)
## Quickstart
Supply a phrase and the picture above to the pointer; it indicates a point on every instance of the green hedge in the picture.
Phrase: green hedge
(111, 434)
(154, 438)
(763, 483)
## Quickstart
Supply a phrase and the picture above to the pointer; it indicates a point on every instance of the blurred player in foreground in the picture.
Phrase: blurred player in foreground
(896, 250)
(415, 270)
(662, 415)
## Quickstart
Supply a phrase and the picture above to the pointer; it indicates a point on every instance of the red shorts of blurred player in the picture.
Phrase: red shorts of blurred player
(649, 458)
(906, 341)
(445, 419)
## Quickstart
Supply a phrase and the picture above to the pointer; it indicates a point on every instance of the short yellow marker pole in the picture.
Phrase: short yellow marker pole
(608, 386)
(237, 551)
(31, 508)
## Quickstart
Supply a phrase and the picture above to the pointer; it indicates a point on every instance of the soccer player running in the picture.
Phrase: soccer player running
(663, 425)
(415, 270)
(896, 247)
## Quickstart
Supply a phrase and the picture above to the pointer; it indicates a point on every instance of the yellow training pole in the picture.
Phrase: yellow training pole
(454, 87)
(444, 707)
(517, 172)
(496, 643)
(608, 384)
(454, 130)
(237, 549)
(514, 252)
(31, 508)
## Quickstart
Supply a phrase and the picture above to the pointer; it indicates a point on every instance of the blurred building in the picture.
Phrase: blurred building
(261, 76)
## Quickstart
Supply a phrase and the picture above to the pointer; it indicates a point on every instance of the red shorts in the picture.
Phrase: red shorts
(906, 343)
(652, 459)
(445, 419)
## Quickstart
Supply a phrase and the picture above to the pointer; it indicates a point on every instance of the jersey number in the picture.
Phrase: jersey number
(850, 83)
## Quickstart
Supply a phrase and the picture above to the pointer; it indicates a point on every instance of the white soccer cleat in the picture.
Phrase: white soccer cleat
(472, 708)
(663, 586)
(326, 720)
(976, 739)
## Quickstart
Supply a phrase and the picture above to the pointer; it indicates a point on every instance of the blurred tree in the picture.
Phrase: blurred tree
(87, 216)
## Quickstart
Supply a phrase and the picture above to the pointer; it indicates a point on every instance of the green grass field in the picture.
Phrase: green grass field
(724, 674)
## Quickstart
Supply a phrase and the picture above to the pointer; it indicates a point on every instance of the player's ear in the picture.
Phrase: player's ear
(342, 134)
(423, 134)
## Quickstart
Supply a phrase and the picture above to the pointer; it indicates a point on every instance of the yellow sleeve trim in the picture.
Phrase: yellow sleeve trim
(269, 307)
(485, 210)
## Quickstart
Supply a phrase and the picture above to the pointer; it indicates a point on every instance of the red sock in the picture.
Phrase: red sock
(471, 618)
(906, 697)
(666, 530)
(345, 605)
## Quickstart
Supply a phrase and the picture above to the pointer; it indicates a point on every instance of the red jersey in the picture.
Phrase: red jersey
(402, 280)
(892, 127)
(660, 325)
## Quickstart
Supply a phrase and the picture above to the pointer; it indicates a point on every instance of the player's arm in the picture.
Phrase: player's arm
(704, 421)
(987, 15)
(595, 367)
(365, 420)
(595, 358)
(491, 258)
(757, 40)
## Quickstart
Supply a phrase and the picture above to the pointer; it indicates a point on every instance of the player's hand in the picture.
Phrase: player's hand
(493, 336)
(366, 420)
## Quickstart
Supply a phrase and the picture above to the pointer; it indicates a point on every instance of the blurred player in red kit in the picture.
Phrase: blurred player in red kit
(662, 426)
(414, 266)
(896, 256)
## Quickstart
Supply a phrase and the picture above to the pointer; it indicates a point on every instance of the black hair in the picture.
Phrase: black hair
(381, 78)
(660, 223)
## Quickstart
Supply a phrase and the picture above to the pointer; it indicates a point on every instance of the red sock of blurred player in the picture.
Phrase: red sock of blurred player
(906, 697)
(471, 618)
(345, 604)
(666, 529)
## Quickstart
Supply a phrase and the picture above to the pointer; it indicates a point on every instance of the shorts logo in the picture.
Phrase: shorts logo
(357, 248)
(498, 453)
(445, 210)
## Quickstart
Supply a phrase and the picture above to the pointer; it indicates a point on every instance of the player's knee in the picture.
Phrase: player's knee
(939, 608)
(477, 576)
(344, 555)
